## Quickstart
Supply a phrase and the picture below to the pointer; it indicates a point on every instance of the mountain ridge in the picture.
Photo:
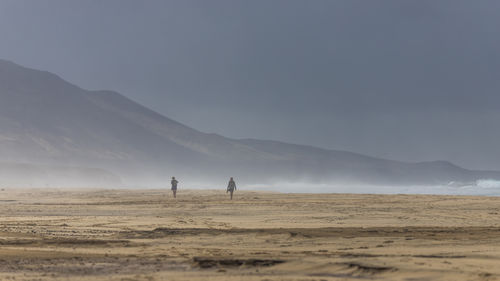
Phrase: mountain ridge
(46, 120)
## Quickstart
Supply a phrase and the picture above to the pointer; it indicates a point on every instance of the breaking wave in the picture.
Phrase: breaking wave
(484, 187)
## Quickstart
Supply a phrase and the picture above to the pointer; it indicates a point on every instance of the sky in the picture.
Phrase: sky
(404, 80)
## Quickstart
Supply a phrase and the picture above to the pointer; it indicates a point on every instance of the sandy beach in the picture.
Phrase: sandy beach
(63, 234)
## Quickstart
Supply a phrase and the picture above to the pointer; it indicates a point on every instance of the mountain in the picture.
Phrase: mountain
(46, 121)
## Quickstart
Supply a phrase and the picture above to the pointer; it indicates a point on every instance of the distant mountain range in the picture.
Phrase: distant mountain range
(106, 138)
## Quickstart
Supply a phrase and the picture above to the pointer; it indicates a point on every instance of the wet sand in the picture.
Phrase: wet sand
(201, 235)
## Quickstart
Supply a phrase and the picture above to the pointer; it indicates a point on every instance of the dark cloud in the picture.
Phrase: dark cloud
(409, 80)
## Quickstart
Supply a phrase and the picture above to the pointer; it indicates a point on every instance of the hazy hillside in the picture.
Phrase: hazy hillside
(29, 175)
(47, 121)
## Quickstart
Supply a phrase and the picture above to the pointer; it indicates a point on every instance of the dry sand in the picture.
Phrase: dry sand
(201, 235)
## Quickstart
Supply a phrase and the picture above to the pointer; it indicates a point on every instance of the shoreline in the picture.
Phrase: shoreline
(204, 190)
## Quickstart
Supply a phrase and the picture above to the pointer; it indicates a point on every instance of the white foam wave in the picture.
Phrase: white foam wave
(483, 187)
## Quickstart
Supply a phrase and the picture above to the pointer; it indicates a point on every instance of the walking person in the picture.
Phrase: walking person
(231, 187)
(174, 186)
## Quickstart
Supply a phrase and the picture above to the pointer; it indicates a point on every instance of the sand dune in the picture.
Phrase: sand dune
(147, 235)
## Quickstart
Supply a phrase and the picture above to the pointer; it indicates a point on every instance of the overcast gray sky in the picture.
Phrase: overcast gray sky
(407, 80)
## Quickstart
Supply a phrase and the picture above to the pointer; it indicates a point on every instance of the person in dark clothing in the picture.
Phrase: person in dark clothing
(231, 187)
(174, 186)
